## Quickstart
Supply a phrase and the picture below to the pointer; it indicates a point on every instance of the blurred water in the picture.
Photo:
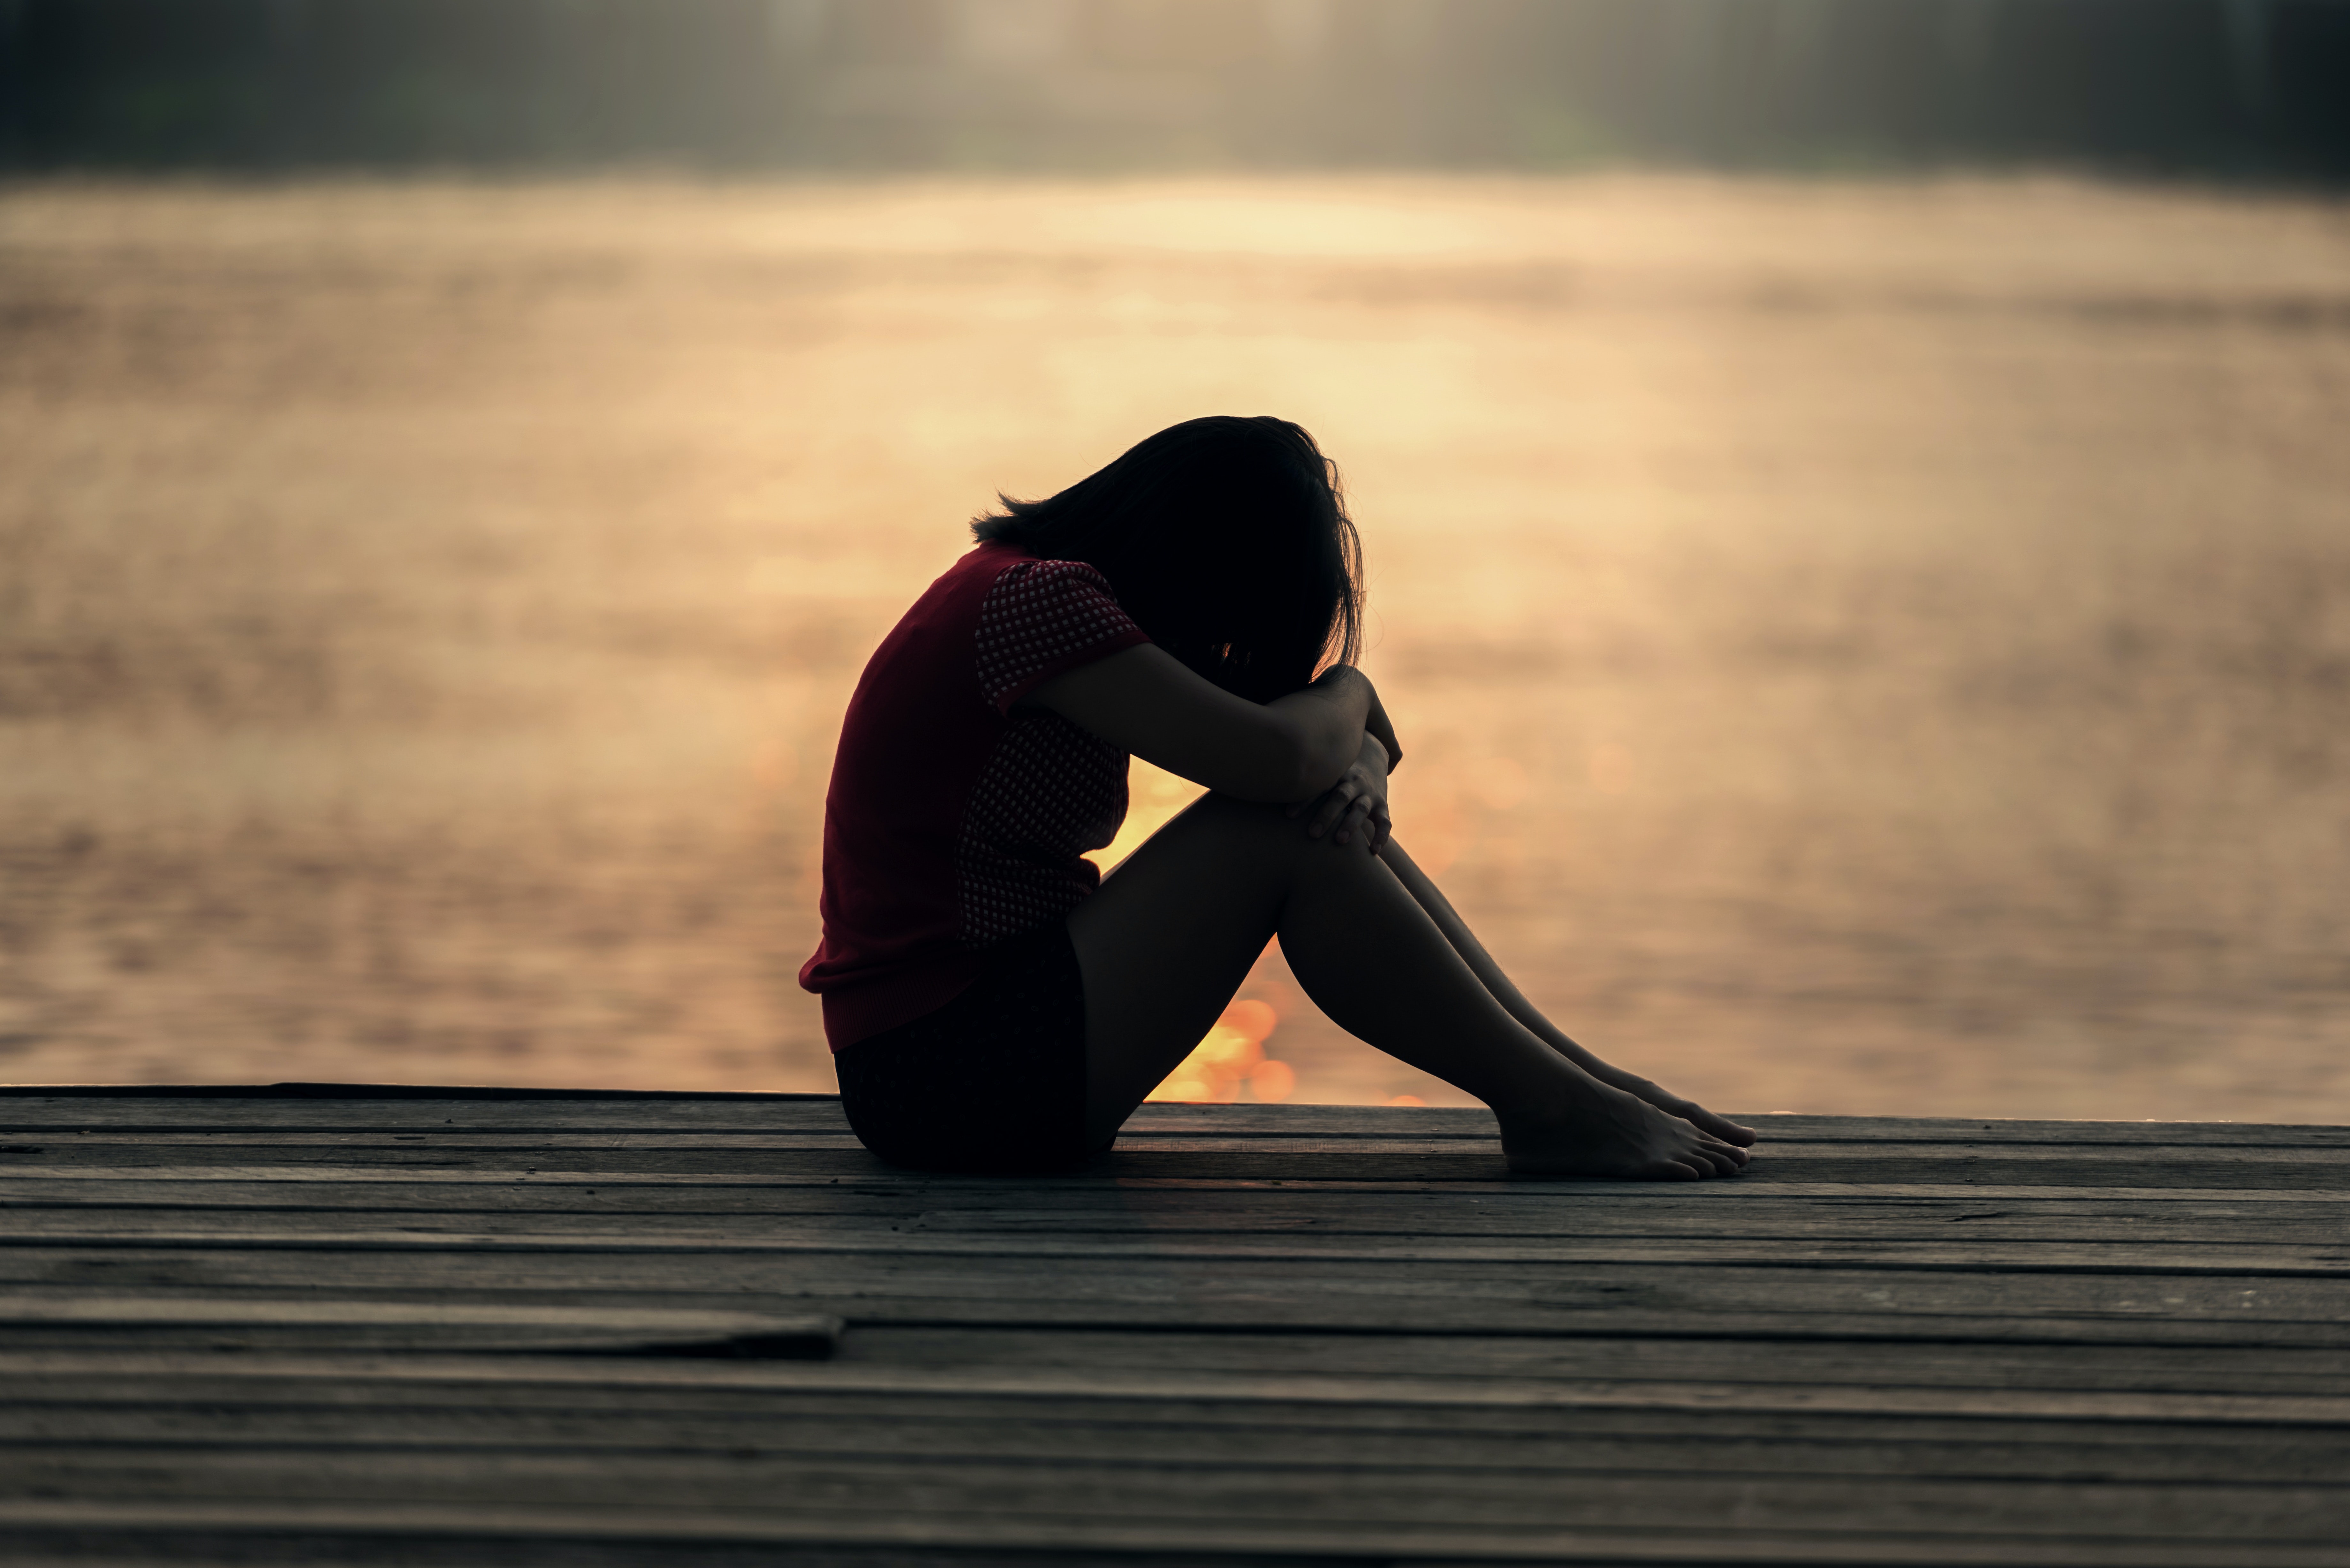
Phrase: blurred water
(1872, 646)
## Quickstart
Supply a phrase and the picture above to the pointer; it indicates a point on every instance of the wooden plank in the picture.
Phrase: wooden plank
(1303, 1502)
(1527, 1209)
(334, 1532)
(1349, 1306)
(294, 1092)
(2021, 1370)
(874, 1178)
(2221, 1172)
(248, 1324)
(220, 1413)
(70, 1116)
(2207, 1244)
(2024, 1371)
(527, 1111)
(918, 1188)
(358, 1144)
(200, 1145)
(1465, 1375)
(757, 1218)
(1295, 1494)
(1244, 1387)
(2125, 1274)
(1694, 1451)
(1969, 1254)
(73, 1385)
(2322, 1167)
(1427, 1297)
(1322, 1121)
(254, 1409)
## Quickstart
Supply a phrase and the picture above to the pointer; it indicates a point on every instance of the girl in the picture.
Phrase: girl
(991, 1008)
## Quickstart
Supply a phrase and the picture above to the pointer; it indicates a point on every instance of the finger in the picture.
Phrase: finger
(1351, 827)
(1328, 809)
(1334, 807)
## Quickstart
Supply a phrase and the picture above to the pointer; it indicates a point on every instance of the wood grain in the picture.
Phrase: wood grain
(1251, 1333)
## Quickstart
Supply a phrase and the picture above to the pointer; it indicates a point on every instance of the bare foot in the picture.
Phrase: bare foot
(1618, 1133)
(1672, 1104)
(1657, 1094)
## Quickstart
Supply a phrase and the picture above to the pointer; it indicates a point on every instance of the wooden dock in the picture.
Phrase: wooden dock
(328, 1326)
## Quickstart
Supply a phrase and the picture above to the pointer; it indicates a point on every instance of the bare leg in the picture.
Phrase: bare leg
(1472, 952)
(1169, 938)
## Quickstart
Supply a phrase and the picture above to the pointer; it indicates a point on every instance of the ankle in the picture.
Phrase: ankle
(1560, 1106)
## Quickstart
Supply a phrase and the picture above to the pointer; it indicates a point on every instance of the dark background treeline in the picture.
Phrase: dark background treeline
(2208, 86)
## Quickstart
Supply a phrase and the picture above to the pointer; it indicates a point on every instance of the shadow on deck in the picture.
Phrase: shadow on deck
(326, 1325)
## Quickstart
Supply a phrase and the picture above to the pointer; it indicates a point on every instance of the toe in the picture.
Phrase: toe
(1723, 1127)
(1723, 1159)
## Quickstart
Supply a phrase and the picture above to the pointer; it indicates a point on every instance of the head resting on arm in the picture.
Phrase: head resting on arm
(1225, 538)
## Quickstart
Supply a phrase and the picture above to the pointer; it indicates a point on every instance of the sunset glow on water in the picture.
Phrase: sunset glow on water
(1872, 646)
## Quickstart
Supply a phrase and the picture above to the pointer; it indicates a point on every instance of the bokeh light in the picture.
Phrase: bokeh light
(1230, 1061)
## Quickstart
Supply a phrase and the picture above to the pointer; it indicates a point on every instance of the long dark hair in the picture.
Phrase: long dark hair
(1226, 539)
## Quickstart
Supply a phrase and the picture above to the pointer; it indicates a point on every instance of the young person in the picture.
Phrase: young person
(989, 1005)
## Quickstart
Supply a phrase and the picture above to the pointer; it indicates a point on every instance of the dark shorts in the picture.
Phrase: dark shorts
(992, 1082)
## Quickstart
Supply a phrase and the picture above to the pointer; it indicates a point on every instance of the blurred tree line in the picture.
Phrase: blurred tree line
(2226, 86)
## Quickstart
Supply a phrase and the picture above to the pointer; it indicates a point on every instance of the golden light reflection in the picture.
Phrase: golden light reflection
(1232, 1055)
(1437, 834)
(1272, 1081)
(1154, 796)
(424, 652)
(1502, 784)
(1611, 768)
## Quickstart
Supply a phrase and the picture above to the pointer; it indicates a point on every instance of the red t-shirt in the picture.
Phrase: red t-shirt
(955, 821)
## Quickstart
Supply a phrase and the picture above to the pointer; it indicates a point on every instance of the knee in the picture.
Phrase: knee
(1260, 824)
(1269, 831)
(1257, 829)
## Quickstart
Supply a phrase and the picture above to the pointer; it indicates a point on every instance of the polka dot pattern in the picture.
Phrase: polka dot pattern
(1050, 792)
(1036, 616)
(1050, 789)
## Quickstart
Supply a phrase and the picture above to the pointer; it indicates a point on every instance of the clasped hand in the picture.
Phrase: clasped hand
(1355, 809)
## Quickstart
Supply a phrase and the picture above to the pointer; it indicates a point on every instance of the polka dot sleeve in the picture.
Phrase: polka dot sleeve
(1041, 617)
